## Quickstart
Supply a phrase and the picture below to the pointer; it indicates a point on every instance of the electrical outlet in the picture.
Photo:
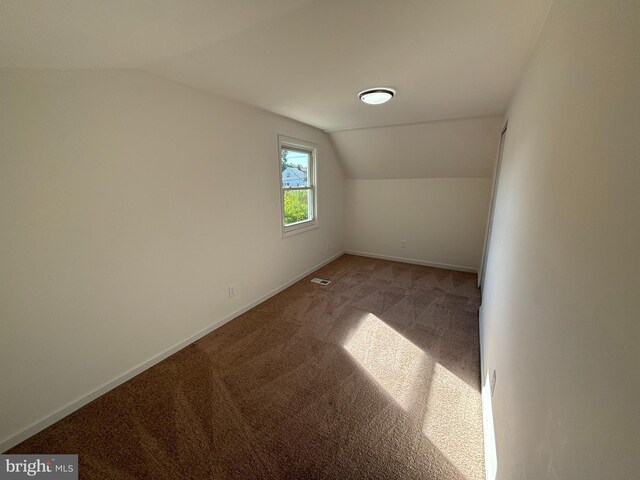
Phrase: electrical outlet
(403, 244)
(493, 382)
(232, 291)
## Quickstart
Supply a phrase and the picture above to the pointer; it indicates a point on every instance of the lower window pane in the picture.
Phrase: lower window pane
(297, 206)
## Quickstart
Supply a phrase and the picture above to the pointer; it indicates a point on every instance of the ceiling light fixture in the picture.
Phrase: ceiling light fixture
(376, 96)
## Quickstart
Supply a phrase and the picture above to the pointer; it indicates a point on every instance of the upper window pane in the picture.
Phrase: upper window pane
(295, 168)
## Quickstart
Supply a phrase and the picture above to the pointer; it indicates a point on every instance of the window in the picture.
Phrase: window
(298, 194)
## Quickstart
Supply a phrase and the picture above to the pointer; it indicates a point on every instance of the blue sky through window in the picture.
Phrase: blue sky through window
(298, 158)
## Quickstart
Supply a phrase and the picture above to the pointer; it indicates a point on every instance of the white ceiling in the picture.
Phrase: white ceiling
(304, 59)
(447, 149)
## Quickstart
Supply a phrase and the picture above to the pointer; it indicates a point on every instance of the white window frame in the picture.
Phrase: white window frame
(296, 144)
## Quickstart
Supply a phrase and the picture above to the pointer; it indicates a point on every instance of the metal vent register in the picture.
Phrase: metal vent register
(321, 281)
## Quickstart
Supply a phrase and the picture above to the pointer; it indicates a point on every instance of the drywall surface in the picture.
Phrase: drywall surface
(560, 319)
(464, 148)
(128, 204)
(441, 220)
(304, 59)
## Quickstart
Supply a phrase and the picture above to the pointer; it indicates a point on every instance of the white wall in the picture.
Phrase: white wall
(425, 183)
(442, 220)
(560, 320)
(128, 203)
(463, 148)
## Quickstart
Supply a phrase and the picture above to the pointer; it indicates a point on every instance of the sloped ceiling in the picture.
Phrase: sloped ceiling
(304, 59)
(457, 148)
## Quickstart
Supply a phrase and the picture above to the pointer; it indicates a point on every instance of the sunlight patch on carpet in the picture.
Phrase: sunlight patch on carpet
(451, 421)
(392, 360)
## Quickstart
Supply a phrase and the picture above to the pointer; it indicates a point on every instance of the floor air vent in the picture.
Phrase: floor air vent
(321, 281)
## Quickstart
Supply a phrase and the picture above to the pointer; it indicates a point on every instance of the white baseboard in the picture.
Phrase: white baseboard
(480, 333)
(445, 266)
(490, 450)
(71, 407)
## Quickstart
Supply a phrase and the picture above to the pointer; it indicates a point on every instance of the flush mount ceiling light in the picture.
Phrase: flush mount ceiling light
(376, 96)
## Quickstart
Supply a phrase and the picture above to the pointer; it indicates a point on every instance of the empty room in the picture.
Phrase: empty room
(320, 239)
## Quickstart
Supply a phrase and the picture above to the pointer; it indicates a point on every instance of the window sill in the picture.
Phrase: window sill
(301, 228)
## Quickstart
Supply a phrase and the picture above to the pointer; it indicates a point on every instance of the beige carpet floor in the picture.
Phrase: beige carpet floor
(373, 376)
